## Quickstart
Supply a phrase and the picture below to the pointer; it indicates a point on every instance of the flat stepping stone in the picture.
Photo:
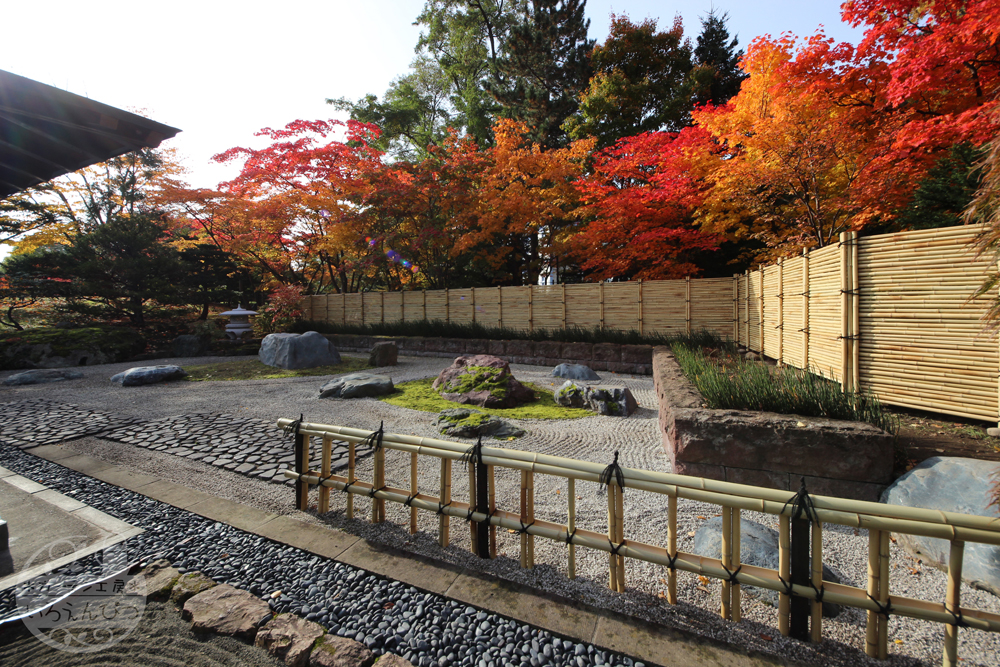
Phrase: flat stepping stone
(227, 611)
(357, 385)
(189, 585)
(289, 639)
(42, 376)
(336, 651)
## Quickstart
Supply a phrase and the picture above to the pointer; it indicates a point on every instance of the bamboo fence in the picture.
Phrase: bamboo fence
(877, 518)
(891, 313)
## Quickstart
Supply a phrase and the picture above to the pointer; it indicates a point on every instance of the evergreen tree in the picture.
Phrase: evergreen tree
(716, 76)
(545, 68)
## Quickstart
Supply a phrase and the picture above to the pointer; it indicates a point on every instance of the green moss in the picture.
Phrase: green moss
(252, 369)
(419, 395)
(481, 378)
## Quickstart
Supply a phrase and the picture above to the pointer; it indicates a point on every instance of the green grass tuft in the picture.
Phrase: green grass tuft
(253, 369)
(419, 395)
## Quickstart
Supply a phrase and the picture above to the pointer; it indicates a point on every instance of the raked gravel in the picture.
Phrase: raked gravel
(592, 438)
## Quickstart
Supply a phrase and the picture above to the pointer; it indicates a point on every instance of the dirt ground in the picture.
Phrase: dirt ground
(926, 434)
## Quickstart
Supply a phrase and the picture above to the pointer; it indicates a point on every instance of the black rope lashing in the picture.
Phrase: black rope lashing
(373, 491)
(884, 610)
(473, 454)
(293, 428)
(616, 549)
(849, 337)
(468, 516)
(441, 506)
(375, 439)
(820, 592)
(672, 560)
(489, 517)
(612, 473)
(958, 618)
(524, 528)
(786, 584)
(409, 500)
(348, 485)
(569, 536)
(801, 504)
(731, 577)
(853, 292)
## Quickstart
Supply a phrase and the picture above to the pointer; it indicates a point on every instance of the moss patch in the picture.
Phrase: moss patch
(252, 369)
(480, 378)
(419, 395)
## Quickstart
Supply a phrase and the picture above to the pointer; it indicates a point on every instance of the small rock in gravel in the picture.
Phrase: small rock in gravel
(570, 395)
(575, 372)
(42, 376)
(392, 660)
(289, 638)
(141, 375)
(189, 585)
(615, 402)
(384, 353)
(357, 385)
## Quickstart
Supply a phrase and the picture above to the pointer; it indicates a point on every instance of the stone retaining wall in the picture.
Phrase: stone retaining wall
(635, 359)
(836, 458)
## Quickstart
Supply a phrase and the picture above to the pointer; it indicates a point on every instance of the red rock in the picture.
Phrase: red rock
(334, 651)
(227, 611)
(289, 639)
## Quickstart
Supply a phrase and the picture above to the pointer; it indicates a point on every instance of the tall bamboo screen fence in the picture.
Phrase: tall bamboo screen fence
(804, 586)
(891, 313)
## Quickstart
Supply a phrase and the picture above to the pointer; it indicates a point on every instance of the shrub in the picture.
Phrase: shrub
(280, 312)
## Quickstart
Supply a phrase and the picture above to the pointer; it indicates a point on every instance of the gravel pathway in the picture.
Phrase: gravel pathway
(591, 438)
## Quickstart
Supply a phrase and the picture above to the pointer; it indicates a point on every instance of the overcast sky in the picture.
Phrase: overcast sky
(221, 70)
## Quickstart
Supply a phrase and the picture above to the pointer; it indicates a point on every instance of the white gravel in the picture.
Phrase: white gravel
(591, 438)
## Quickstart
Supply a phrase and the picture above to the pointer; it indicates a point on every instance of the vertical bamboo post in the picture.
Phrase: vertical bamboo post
(493, 507)
(727, 560)
(361, 295)
(798, 626)
(672, 546)
(524, 518)
(482, 505)
(687, 303)
(816, 622)
(343, 309)
(760, 301)
(413, 492)
(953, 602)
(845, 309)
(378, 481)
(473, 526)
(473, 305)
(612, 533)
(781, 311)
(563, 286)
(736, 590)
(382, 299)
(571, 525)
(883, 595)
(805, 309)
(444, 521)
(530, 541)
(855, 316)
(620, 535)
(736, 315)
(447, 305)
(874, 571)
(425, 305)
(531, 312)
(324, 491)
(500, 307)
(302, 468)
(402, 306)
(350, 479)
(640, 307)
(784, 571)
(601, 290)
(747, 305)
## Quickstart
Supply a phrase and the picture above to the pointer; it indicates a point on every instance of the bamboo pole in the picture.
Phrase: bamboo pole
(530, 538)
(445, 496)
(620, 535)
(872, 625)
(473, 527)
(378, 481)
(563, 286)
(500, 307)
(855, 315)
(687, 303)
(531, 312)
(736, 309)
(784, 571)
(491, 488)
(612, 534)
(883, 595)
(760, 299)
(781, 311)
(953, 602)
(571, 525)
(324, 492)
(473, 305)
(845, 309)
(304, 456)
(524, 517)
(727, 561)
(640, 308)
(816, 622)
(601, 291)
(736, 590)
(425, 305)
(413, 492)
(805, 308)
(747, 305)
(672, 547)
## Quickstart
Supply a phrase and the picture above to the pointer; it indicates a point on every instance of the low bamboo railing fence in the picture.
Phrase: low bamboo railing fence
(799, 579)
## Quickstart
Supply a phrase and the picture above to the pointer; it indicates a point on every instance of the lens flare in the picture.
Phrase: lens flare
(325, 213)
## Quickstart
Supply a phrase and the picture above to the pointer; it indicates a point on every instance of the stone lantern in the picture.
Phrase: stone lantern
(239, 322)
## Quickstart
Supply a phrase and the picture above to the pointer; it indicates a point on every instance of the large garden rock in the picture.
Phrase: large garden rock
(466, 423)
(293, 351)
(357, 385)
(383, 354)
(482, 380)
(190, 345)
(42, 376)
(66, 348)
(289, 639)
(141, 375)
(575, 372)
(227, 611)
(951, 484)
(759, 547)
(570, 395)
(157, 581)
(335, 651)
(617, 402)
(189, 585)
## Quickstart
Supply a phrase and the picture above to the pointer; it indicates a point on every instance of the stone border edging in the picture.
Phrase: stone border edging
(578, 621)
(634, 359)
(835, 457)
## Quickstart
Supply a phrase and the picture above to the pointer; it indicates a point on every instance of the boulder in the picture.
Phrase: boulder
(189, 585)
(482, 380)
(293, 351)
(570, 395)
(157, 580)
(140, 375)
(67, 348)
(951, 484)
(189, 345)
(467, 423)
(226, 611)
(357, 385)
(334, 651)
(759, 547)
(617, 402)
(575, 372)
(289, 639)
(383, 354)
(42, 376)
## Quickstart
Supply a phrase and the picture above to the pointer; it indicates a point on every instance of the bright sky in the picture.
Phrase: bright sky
(220, 69)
